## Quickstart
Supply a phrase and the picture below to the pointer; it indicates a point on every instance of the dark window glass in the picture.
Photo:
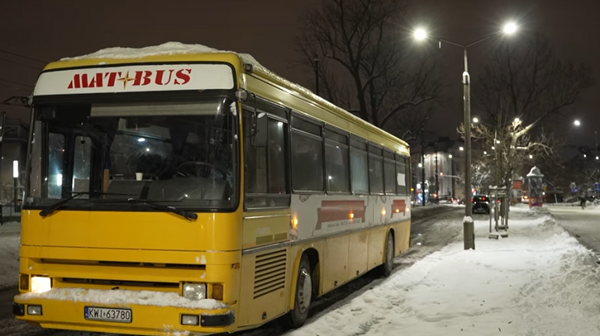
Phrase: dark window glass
(389, 169)
(376, 174)
(265, 167)
(56, 151)
(360, 144)
(359, 171)
(337, 168)
(306, 126)
(276, 157)
(307, 162)
(337, 137)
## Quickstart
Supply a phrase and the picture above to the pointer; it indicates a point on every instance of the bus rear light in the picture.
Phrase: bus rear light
(217, 292)
(351, 215)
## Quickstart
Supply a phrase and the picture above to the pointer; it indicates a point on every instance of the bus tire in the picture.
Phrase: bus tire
(303, 296)
(388, 263)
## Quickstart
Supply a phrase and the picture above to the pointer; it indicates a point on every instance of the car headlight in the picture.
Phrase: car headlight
(40, 284)
(194, 291)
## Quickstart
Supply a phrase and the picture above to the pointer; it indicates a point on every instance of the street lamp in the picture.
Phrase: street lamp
(15, 179)
(421, 34)
(475, 120)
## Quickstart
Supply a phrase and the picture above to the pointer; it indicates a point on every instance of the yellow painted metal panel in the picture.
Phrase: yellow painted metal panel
(335, 263)
(358, 245)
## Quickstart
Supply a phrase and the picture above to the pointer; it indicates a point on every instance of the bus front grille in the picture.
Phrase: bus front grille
(269, 272)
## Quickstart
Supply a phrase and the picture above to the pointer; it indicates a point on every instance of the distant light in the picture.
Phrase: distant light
(420, 165)
(510, 28)
(461, 148)
(494, 148)
(330, 177)
(16, 168)
(141, 140)
(517, 120)
(577, 122)
(420, 34)
(485, 153)
(584, 155)
(530, 156)
(147, 149)
(59, 180)
(596, 158)
(450, 156)
(441, 174)
(497, 141)
(475, 120)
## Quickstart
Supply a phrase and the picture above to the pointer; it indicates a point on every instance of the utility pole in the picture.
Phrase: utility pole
(317, 74)
(423, 172)
(437, 186)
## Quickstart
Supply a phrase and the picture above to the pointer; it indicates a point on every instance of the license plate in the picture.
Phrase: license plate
(108, 314)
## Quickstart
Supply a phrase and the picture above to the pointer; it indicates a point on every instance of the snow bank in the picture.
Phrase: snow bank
(169, 48)
(124, 297)
(539, 281)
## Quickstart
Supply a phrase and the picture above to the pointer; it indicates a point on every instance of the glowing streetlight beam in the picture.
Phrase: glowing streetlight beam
(420, 34)
(510, 28)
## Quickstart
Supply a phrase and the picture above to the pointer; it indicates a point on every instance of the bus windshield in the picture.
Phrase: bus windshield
(180, 153)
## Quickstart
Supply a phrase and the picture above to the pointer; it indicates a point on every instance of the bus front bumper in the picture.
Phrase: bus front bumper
(144, 319)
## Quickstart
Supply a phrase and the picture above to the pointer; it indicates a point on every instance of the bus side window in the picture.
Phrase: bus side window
(401, 175)
(265, 167)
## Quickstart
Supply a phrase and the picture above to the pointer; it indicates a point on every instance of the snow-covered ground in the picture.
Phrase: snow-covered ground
(9, 261)
(538, 281)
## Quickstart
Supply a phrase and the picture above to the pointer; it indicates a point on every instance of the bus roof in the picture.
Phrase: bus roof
(179, 52)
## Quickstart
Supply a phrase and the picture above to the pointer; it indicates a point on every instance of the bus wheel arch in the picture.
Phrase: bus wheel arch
(306, 274)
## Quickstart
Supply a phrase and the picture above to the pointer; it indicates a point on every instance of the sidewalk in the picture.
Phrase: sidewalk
(538, 281)
(10, 229)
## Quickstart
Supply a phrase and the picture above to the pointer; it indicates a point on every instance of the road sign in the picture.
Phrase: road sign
(597, 187)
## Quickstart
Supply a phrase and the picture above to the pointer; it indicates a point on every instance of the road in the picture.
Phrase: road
(431, 229)
(583, 224)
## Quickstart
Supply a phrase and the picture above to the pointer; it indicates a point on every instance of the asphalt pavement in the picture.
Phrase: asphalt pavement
(583, 224)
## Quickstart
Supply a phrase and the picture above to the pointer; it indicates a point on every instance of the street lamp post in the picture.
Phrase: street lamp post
(468, 225)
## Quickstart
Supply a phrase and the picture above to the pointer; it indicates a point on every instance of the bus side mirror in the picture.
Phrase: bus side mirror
(260, 129)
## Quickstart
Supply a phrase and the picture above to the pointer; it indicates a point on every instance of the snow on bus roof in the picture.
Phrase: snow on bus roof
(169, 48)
(176, 48)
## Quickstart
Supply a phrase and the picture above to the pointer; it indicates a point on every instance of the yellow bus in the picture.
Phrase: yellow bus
(177, 189)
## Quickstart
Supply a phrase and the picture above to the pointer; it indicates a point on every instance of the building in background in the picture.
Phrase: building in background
(440, 165)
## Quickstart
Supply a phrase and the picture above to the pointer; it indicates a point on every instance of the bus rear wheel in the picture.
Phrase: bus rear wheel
(388, 264)
(303, 296)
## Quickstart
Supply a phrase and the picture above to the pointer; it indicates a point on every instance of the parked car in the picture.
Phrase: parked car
(481, 203)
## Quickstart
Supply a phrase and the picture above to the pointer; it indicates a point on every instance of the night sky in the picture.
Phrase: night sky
(50, 30)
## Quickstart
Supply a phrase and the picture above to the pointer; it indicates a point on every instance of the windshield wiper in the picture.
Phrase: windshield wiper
(51, 208)
(169, 208)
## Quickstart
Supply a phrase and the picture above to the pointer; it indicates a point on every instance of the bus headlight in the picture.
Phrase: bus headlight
(40, 284)
(194, 291)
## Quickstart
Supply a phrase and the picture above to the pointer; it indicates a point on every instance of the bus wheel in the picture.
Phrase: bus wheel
(388, 264)
(303, 296)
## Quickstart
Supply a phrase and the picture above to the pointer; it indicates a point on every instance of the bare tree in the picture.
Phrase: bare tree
(523, 86)
(358, 42)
